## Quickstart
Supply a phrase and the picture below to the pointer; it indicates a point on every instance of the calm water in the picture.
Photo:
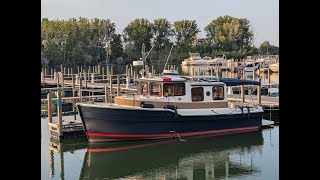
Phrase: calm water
(241, 156)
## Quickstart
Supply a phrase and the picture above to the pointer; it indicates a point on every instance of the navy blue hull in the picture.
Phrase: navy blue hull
(105, 124)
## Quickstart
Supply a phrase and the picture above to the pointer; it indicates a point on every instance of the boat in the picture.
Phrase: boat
(170, 106)
(274, 67)
(195, 59)
(252, 66)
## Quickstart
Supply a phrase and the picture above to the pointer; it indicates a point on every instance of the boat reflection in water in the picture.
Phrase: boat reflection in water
(196, 157)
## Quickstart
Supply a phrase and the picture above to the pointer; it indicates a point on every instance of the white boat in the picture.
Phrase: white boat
(250, 67)
(274, 67)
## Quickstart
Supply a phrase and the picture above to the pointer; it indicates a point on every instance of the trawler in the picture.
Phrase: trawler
(169, 106)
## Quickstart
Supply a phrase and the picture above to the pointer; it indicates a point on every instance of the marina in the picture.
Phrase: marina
(139, 90)
(95, 92)
(253, 155)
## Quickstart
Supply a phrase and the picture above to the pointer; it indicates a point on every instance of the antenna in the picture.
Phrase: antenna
(168, 58)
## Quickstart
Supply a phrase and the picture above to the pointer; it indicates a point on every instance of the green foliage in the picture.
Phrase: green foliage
(186, 32)
(230, 34)
(78, 42)
(266, 48)
(162, 31)
(137, 32)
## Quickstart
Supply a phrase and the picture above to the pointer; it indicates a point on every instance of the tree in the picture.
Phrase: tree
(230, 34)
(162, 31)
(75, 41)
(266, 48)
(116, 47)
(136, 33)
(186, 32)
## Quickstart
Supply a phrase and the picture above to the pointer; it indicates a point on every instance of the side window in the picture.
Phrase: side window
(174, 89)
(155, 89)
(217, 93)
(197, 94)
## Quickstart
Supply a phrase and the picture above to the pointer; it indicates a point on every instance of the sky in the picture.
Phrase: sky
(262, 14)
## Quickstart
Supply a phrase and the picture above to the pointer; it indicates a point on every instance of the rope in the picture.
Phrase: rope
(224, 113)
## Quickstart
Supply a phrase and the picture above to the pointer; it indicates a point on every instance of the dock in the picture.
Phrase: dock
(100, 85)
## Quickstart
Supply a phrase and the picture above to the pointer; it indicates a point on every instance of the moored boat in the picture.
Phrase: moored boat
(169, 106)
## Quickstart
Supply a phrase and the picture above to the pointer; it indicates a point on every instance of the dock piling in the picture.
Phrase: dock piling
(49, 107)
(73, 86)
(242, 93)
(259, 92)
(118, 85)
(59, 113)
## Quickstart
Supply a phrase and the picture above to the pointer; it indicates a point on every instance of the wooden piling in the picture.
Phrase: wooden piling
(42, 77)
(111, 70)
(253, 75)
(78, 68)
(110, 86)
(260, 69)
(131, 70)
(73, 86)
(85, 79)
(217, 70)
(51, 73)
(62, 83)
(127, 70)
(89, 73)
(92, 78)
(58, 74)
(134, 76)
(108, 72)
(242, 93)
(80, 87)
(64, 70)
(102, 72)
(269, 81)
(49, 107)
(259, 92)
(59, 113)
(71, 71)
(152, 70)
(99, 72)
(147, 71)
(118, 85)
(45, 71)
(105, 94)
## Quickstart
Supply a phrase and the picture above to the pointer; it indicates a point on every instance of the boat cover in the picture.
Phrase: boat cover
(238, 82)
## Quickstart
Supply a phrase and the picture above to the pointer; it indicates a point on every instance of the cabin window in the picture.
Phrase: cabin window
(155, 89)
(197, 94)
(174, 89)
(217, 93)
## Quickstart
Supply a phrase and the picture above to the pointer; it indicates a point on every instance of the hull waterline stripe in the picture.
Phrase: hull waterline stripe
(168, 134)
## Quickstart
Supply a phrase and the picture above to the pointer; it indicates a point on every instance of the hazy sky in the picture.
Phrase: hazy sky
(262, 14)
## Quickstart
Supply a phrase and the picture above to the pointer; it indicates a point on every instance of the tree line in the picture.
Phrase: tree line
(82, 41)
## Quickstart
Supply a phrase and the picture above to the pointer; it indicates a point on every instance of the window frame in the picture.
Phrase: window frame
(202, 94)
(219, 93)
(173, 90)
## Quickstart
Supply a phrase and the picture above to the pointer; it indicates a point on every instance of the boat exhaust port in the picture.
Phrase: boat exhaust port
(177, 135)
